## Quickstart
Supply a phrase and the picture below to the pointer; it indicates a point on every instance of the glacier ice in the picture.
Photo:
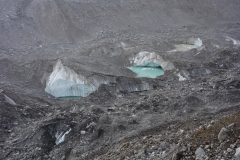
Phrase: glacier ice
(195, 41)
(60, 137)
(64, 82)
(151, 59)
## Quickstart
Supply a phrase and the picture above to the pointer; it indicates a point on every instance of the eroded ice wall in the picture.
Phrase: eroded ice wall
(195, 41)
(64, 82)
(151, 59)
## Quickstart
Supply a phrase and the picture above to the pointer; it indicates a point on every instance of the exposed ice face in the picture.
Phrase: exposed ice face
(151, 59)
(66, 88)
(195, 41)
(181, 78)
(64, 73)
(60, 136)
(64, 82)
(198, 42)
(183, 75)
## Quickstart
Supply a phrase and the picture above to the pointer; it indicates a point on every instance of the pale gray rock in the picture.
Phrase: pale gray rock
(9, 100)
(200, 154)
(164, 145)
(223, 134)
(231, 126)
(229, 150)
(237, 154)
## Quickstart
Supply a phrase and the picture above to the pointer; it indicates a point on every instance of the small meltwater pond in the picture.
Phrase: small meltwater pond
(147, 71)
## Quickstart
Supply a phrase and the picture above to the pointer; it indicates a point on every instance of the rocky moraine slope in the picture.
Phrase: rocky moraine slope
(140, 79)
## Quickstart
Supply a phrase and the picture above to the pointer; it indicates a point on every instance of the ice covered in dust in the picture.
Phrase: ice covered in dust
(191, 44)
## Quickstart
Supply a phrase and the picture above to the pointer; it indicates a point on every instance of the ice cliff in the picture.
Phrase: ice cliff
(151, 59)
(64, 82)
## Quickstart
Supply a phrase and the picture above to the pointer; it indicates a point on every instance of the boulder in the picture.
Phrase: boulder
(237, 154)
(200, 154)
(223, 134)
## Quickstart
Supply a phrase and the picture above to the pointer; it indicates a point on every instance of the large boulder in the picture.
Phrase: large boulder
(223, 134)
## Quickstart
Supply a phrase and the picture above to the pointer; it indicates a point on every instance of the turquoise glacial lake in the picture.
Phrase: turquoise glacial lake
(148, 71)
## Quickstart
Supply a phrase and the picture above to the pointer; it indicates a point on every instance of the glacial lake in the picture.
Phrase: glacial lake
(148, 71)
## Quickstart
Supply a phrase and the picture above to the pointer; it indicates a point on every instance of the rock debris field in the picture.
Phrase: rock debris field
(124, 80)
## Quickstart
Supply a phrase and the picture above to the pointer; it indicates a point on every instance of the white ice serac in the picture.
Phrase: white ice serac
(65, 82)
